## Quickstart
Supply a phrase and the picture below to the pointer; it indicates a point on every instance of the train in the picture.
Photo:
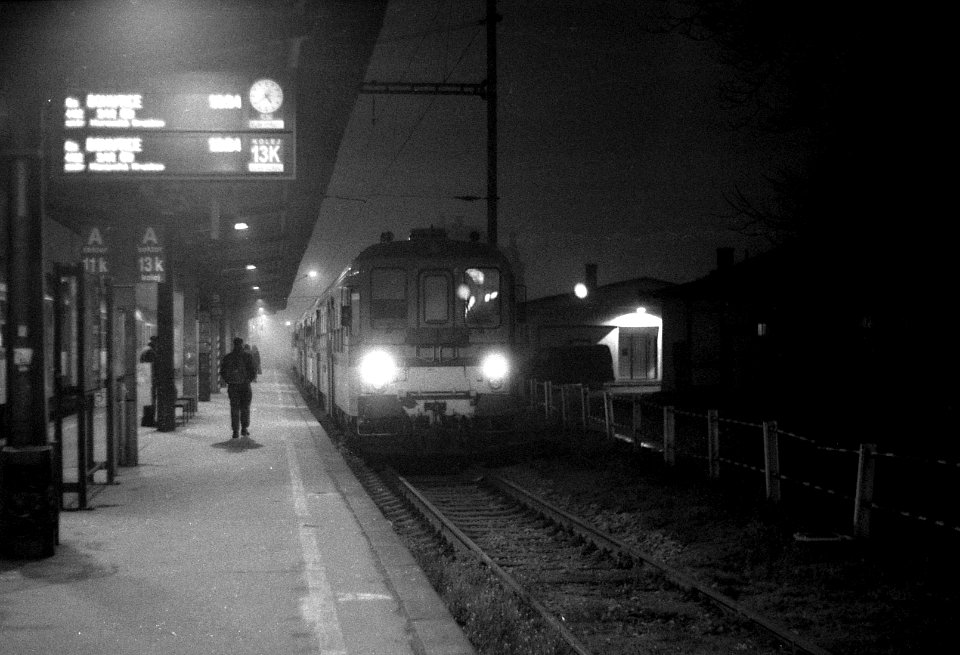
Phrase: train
(413, 348)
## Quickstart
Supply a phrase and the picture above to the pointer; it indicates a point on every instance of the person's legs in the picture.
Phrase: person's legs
(246, 398)
(235, 396)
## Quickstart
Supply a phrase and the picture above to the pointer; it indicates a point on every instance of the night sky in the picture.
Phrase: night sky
(613, 145)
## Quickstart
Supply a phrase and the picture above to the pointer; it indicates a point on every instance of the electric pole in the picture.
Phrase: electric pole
(486, 90)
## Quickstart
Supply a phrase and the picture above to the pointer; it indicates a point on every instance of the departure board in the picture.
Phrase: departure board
(191, 126)
(212, 154)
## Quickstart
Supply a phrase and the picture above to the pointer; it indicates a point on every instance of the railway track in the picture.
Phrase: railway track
(599, 594)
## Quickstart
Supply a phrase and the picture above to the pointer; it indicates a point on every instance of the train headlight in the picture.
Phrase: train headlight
(495, 368)
(377, 368)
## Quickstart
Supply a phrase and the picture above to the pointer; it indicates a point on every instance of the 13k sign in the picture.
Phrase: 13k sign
(150, 260)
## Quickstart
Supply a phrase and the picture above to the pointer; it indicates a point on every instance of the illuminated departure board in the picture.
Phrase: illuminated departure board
(204, 126)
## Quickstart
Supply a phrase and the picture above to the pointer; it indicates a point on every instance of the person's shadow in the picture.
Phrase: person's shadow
(238, 445)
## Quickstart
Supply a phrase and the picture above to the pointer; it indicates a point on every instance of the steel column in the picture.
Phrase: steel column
(29, 507)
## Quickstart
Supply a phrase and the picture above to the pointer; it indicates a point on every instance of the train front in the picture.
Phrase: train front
(432, 360)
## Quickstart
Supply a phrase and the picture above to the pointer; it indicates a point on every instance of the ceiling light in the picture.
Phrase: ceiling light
(251, 267)
(240, 226)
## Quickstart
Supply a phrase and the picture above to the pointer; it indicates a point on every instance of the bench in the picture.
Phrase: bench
(188, 407)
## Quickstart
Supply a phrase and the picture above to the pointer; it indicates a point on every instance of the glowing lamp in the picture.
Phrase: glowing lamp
(378, 369)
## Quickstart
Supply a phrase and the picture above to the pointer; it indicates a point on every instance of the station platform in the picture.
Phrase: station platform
(264, 545)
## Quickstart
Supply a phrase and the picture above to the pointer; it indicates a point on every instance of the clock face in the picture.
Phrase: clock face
(266, 96)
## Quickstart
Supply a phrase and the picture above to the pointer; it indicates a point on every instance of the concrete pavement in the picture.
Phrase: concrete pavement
(264, 545)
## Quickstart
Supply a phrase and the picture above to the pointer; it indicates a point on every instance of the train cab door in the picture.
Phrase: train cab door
(84, 400)
(326, 366)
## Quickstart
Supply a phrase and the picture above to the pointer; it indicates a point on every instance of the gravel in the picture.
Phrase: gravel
(894, 594)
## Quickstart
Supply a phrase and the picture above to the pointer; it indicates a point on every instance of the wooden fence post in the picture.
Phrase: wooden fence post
(637, 416)
(771, 458)
(563, 407)
(547, 392)
(584, 404)
(866, 472)
(713, 443)
(669, 436)
(608, 413)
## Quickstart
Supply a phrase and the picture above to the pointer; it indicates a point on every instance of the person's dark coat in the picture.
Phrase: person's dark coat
(246, 361)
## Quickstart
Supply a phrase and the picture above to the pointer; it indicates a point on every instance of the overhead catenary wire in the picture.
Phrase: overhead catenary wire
(386, 119)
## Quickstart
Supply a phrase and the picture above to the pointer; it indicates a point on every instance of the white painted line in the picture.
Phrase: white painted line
(361, 596)
(318, 607)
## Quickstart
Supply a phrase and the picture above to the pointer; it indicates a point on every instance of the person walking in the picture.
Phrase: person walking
(149, 356)
(238, 370)
(256, 359)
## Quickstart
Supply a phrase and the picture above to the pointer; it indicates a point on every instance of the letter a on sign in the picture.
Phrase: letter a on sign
(95, 238)
(150, 238)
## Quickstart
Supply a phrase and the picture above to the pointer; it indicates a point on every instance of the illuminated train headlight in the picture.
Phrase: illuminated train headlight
(495, 368)
(378, 369)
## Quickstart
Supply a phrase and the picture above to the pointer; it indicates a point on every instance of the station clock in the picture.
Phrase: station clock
(266, 96)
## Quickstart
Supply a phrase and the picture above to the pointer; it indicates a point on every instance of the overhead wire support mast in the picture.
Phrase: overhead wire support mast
(487, 90)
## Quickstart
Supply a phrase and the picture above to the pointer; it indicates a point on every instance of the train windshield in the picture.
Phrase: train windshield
(479, 290)
(388, 297)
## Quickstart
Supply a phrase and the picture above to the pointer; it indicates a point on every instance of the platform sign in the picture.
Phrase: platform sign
(150, 258)
(94, 252)
(196, 154)
(188, 126)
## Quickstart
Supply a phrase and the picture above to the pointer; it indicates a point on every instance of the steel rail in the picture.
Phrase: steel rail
(453, 535)
(610, 543)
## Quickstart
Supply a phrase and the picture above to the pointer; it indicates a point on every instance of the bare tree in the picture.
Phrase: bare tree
(804, 72)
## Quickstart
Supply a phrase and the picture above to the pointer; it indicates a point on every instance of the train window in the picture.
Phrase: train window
(435, 298)
(479, 290)
(388, 296)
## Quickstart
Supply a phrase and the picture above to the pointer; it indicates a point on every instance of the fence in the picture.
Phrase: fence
(847, 475)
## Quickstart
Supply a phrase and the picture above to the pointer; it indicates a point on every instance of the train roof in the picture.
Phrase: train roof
(428, 243)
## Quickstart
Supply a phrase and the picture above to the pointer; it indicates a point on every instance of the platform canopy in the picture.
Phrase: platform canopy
(151, 115)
